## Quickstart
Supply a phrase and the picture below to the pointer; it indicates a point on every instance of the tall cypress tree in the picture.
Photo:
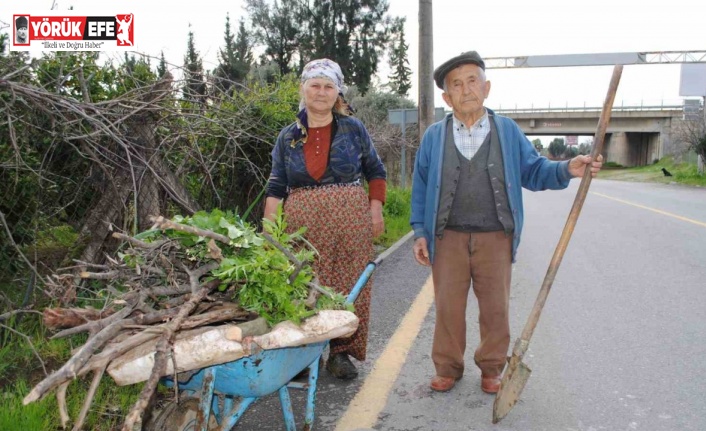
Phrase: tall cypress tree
(400, 81)
(234, 58)
(243, 51)
(226, 60)
(162, 66)
(194, 84)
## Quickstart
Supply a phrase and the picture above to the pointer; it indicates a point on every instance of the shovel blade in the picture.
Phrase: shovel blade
(511, 386)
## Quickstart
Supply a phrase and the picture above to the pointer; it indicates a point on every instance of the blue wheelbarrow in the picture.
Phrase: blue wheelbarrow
(216, 397)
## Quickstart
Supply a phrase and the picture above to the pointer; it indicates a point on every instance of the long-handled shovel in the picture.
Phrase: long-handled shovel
(517, 372)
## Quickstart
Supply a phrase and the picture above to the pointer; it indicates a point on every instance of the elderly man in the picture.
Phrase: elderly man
(467, 216)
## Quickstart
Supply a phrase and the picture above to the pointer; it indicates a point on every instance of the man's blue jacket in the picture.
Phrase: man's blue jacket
(523, 167)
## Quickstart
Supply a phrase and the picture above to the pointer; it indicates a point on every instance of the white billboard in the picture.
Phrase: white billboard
(693, 80)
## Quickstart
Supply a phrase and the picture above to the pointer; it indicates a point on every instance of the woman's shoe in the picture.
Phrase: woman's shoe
(341, 367)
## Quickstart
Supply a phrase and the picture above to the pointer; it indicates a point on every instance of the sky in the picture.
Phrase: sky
(493, 28)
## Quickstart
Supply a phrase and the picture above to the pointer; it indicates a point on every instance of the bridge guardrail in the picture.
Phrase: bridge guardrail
(625, 108)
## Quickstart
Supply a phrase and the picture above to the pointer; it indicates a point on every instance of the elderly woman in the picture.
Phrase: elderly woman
(318, 164)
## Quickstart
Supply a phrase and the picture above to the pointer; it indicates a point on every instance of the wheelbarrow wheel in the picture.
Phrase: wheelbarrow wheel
(178, 417)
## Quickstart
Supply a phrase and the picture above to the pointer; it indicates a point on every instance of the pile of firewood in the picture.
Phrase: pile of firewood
(160, 291)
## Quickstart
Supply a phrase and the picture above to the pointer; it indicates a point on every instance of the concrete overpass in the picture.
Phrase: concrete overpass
(636, 135)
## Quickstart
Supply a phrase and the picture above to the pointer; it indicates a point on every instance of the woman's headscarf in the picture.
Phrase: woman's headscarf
(324, 68)
(329, 69)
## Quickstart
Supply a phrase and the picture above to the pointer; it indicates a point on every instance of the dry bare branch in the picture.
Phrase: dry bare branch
(134, 418)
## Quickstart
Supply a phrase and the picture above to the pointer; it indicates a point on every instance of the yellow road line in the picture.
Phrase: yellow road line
(652, 209)
(364, 409)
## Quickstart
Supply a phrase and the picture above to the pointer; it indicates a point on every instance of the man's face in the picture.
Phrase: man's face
(466, 90)
(22, 33)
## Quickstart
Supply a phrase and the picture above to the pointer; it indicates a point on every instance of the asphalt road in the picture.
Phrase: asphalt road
(619, 345)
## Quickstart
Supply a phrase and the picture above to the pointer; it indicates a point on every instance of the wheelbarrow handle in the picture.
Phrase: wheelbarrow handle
(360, 284)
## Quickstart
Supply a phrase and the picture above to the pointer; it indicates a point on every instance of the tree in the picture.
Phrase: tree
(693, 133)
(353, 33)
(243, 49)
(194, 86)
(586, 147)
(571, 152)
(135, 72)
(400, 82)
(277, 28)
(537, 143)
(372, 109)
(265, 73)
(162, 66)
(557, 148)
(234, 58)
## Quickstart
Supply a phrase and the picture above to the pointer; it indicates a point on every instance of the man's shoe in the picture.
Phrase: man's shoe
(341, 367)
(442, 384)
(490, 385)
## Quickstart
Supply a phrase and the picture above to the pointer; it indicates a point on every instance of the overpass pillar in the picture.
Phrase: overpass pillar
(617, 149)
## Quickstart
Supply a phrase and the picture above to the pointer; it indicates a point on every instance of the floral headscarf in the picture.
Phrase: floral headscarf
(324, 68)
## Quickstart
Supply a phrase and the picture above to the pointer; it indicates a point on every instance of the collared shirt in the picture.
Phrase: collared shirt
(469, 140)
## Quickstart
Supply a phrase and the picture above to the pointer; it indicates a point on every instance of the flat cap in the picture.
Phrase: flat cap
(469, 57)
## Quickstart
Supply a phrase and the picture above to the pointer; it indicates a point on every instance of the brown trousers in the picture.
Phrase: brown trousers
(483, 260)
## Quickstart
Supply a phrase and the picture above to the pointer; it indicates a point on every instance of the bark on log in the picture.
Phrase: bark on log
(55, 318)
(115, 350)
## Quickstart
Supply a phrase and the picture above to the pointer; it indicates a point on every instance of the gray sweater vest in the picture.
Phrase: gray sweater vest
(473, 196)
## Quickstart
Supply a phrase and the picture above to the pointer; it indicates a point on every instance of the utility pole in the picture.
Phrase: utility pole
(426, 67)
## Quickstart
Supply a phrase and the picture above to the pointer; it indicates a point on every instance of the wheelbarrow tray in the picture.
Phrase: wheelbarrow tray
(213, 348)
(259, 374)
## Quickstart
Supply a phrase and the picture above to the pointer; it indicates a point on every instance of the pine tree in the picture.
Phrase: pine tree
(194, 87)
(234, 59)
(162, 66)
(243, 51)
(400, 80)
(226, 60)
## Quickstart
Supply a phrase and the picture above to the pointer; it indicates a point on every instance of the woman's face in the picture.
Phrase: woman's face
(319, 94)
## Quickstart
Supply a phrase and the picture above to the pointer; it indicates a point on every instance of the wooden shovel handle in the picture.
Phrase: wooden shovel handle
(575, 210)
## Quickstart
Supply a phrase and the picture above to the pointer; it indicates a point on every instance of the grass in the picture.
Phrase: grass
(20, 370)
(110, 406)
(682, 173)
(396, 212)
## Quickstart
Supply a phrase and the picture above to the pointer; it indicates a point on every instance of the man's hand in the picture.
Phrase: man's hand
(577, 165)
(421, 252)
(378, 221)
